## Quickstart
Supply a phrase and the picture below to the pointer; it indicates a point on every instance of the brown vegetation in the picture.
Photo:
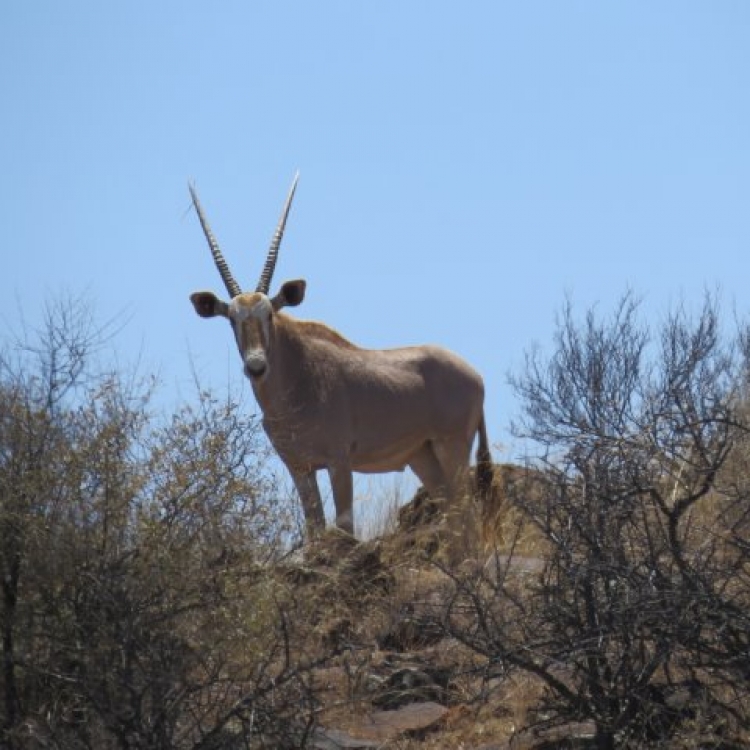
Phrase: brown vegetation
(153, 594)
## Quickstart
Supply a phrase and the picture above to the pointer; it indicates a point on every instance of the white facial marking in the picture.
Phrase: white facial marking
(261, 310)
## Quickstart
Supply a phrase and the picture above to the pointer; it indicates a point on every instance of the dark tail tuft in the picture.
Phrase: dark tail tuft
(484, 462)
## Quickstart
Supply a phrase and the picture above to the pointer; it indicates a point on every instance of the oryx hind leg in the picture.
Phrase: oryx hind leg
(454, 455)
(442, 465)
(425, 464)
(343, 495)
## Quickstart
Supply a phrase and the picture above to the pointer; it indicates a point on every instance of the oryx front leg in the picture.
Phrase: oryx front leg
(312, 504)
(343, 495)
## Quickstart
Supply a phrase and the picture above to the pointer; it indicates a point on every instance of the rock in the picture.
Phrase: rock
(379, 726)
(414, 720)
(412, 685)
(335, 739)
(571, 736)
(401, 679)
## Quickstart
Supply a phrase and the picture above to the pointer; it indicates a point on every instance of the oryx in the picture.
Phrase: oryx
(328, 404)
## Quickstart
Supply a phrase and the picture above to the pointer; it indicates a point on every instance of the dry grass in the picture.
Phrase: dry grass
(504, 527)
(362, 618)
(355, 595)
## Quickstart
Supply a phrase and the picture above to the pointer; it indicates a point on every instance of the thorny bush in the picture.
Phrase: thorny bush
(133, 607)
(638, 483)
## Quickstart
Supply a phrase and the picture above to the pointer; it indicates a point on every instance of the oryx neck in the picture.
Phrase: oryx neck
(286, 362)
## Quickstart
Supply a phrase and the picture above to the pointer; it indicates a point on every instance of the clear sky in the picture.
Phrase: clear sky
(464, 165)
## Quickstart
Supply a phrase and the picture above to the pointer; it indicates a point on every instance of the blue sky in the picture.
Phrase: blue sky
(464, 166)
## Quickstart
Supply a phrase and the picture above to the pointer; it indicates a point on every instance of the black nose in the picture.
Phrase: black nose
(255, 370)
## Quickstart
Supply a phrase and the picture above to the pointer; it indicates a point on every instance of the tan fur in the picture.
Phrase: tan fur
(328, 404)
(317, 330)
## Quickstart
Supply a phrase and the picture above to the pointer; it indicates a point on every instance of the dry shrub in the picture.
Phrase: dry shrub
(506, 527)
(640, 499)
(135, 610)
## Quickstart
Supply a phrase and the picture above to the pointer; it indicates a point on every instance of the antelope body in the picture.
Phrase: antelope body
(328, 404)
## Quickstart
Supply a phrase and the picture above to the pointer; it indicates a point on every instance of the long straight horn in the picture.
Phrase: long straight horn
(226, 276)
(264, 283)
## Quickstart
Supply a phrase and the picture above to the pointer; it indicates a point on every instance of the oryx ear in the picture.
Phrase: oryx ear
(208, 305)
(290, 294)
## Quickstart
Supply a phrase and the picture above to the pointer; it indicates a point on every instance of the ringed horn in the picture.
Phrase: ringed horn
(226, 275)
(264, 283)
